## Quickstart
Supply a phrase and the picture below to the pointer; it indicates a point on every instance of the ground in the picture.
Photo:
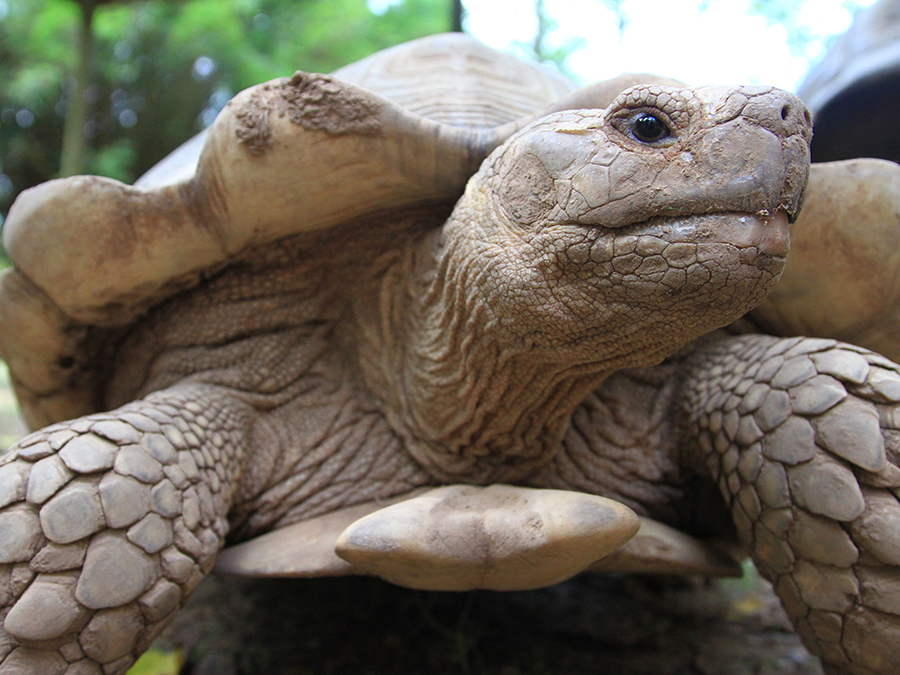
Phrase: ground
(613, 625)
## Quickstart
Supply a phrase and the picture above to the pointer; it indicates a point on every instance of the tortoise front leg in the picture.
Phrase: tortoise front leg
(108, 523)
(803, 437)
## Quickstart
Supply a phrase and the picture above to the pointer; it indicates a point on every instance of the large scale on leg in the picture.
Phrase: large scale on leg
(430, 288)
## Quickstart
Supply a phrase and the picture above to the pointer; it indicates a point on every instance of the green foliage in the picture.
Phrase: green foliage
(163, 69)
(157, 662)
(788, 14)
(11, 426)
(542, 47)
(113, 160)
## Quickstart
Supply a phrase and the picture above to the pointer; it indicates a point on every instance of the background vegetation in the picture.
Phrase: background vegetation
(162, 69)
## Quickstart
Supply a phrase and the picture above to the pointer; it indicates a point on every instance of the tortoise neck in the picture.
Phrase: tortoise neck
(471, 402)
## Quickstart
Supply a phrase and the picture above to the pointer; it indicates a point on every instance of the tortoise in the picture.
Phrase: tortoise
(446, 319)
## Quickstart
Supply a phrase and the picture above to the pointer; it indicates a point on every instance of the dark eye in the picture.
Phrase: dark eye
(648, 128)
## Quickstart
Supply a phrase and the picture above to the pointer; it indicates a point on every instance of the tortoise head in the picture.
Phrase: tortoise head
(588, 242)
(619, 235)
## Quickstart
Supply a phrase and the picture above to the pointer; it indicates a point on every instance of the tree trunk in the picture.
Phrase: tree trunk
(457, 13)
(74, 146)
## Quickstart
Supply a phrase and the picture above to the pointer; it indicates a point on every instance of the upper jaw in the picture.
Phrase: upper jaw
(729, 151)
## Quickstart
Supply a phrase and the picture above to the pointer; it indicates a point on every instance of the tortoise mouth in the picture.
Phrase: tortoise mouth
(768, 234)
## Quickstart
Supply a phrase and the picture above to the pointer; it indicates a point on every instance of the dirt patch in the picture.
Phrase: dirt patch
(593, 624)
(253, 130)
(315, 102)
(320, 102)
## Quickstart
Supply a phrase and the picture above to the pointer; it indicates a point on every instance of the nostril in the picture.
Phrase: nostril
(785, 111)
(807, 117)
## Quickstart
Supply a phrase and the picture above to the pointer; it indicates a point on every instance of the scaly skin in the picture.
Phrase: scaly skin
(118, 517)
(803, 438)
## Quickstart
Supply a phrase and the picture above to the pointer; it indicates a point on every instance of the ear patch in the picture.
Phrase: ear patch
(526, 189)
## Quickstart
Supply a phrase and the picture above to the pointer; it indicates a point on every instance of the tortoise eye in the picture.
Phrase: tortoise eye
(648, 128)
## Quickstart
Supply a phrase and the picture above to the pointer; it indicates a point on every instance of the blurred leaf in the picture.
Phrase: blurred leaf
(157, 662)
(115, 160)
(11, 426)
(49, 32)
(35, 84)
(146, 98)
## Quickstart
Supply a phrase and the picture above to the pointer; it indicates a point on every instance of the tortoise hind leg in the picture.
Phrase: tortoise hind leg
(803, 438)
(107, 525)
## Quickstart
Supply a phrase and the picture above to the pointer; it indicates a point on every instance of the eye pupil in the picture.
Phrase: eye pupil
(649, 128)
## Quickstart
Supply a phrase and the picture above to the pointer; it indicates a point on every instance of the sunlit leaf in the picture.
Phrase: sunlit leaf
(157, 662)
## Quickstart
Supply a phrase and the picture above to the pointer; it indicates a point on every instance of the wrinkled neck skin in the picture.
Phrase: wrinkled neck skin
(489, 337)
(579, 249)
(471, 403)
